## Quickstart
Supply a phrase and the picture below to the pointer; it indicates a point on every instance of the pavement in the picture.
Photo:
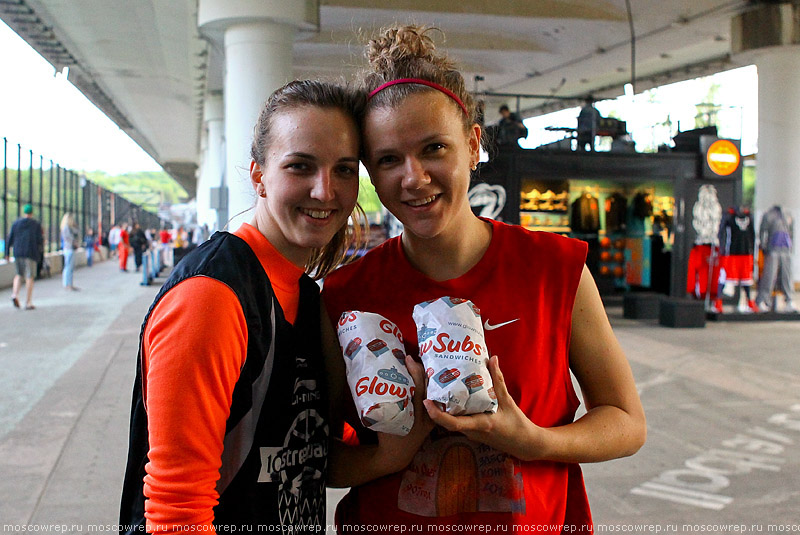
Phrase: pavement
(723, 408)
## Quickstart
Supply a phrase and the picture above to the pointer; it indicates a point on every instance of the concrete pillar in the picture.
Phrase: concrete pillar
(212, 167)
(766, 34)
(257, 38)
(258, 59)
(778, 160)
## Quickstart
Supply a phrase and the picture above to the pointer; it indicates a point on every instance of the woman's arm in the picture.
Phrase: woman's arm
(193, 355)
(614, 425)
(354, 465)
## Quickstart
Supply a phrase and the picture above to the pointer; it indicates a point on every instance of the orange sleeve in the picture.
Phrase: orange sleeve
(194, 347)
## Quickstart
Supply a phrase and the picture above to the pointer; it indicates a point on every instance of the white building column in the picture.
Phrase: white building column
(257, 38)
(778, 160)
(212, 167)
(258, 60)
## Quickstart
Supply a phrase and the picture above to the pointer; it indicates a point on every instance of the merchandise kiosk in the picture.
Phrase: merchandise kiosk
(641, 214)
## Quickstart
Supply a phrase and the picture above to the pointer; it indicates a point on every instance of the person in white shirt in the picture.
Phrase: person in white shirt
(113, 240)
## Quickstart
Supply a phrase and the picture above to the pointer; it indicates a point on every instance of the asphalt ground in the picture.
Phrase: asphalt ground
(722, 402)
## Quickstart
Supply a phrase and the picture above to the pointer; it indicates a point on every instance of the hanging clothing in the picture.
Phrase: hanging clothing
(703, 260)
(616, 212)
(736, 244)
(775, 239)
(642, 205)
(585, 214)
(776, 230)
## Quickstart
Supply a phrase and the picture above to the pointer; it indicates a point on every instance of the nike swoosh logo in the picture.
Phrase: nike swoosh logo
(489, 327)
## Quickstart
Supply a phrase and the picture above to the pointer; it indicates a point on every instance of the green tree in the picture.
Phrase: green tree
(145, 188)
(706, 114)
(367, 197)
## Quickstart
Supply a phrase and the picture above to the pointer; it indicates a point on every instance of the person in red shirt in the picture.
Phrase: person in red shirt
(124, 247)
(542, 314)
(164, 238)
(229, 419)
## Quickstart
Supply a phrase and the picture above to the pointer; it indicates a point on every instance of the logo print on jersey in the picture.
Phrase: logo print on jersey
(305, 391)
(297, 468)
(451, 474)
(489, 327)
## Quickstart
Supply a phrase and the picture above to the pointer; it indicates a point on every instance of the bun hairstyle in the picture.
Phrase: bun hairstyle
(409, 52)
(316, 94)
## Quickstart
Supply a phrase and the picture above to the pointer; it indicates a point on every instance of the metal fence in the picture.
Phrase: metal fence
(53, 191)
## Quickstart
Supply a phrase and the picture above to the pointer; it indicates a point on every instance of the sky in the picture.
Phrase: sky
(43, 112)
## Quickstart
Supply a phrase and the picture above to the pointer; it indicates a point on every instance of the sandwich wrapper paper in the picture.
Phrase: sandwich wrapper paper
(453, 351)
(379, 381)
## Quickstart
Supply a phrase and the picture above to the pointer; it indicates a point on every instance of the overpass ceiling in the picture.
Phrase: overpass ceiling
(145, 65)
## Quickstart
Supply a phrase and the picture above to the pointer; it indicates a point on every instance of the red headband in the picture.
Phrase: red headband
(421, 82)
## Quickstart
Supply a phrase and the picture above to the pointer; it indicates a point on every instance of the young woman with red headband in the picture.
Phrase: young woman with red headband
(229, 424)
(543, 317)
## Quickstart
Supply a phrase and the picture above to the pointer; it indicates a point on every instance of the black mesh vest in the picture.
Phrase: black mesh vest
(275, 448)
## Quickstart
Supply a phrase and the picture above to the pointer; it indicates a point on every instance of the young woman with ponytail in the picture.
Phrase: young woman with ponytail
(229, 423)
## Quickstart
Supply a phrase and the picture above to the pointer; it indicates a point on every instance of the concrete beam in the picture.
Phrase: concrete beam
(308, 63)
(454, 41)
(551, 9)
(184, 174)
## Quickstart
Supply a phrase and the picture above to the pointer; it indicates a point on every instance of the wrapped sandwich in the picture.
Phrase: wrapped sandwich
(453, 351)
(379, 381)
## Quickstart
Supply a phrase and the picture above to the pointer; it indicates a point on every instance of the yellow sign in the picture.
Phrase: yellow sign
(723, 157)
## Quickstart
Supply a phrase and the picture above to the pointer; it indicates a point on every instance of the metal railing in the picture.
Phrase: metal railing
(53, 191)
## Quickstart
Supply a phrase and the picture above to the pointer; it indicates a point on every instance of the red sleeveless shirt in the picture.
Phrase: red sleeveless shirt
(525, 287)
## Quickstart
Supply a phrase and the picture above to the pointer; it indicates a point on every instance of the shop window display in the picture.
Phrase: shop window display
(543, 205)
(724, 267)
(628, 228)
(634, 244)
(646, 200)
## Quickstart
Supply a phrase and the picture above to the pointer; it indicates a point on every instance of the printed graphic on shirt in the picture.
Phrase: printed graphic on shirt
(297, 467)
(706, 215)
(743, 222)
(451, 474)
